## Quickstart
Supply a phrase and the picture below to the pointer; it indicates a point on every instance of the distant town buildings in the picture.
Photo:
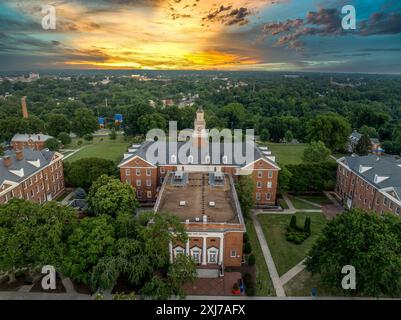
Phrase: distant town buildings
(354, 138)
(370, 183)
(32, 175)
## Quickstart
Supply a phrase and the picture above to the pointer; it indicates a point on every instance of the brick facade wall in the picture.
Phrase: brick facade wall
(363, 194)
(41, 187)
(38, 145)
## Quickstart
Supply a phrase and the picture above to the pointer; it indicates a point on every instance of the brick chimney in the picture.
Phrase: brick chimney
(19, 155)
(7, 161)
(24, 107)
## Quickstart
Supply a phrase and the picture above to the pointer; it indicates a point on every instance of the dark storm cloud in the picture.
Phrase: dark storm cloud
(229, 16)
(327, 22)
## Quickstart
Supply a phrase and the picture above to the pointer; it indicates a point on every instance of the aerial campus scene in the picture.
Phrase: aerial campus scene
(182, 150)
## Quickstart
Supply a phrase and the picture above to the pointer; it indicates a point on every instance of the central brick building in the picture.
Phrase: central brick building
(196, 183)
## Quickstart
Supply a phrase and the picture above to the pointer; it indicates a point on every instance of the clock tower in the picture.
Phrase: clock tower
(200, 135)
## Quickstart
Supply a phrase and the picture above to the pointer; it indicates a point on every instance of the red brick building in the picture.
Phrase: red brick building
(32, 141)
(195, 180)
(146, 175)
(32, 175)
(371, 183)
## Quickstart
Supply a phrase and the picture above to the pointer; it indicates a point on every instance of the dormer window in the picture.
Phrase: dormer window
(379, 179)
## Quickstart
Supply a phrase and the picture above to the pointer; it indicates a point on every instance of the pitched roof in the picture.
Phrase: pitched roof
(33, 137)
(18, 171)
(216, 152)
(381, 171)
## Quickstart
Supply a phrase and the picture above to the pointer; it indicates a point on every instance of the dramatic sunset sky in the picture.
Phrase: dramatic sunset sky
(298, 35)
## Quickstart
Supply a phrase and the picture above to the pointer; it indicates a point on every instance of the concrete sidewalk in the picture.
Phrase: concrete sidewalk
(268, 258)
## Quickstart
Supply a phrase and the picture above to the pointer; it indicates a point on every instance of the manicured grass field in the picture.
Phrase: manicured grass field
(287, 153)
(298, 204)
(263, 285)
(302, 283)
(286, 254)
(319, 199)
(100, 147)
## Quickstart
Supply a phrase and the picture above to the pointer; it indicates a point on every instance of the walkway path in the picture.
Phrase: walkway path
(67, 199)
(292, 272)
(268, 258)
(72, 153)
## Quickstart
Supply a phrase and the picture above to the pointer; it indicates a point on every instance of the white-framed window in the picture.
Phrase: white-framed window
(162, 170)
(148, 172)
(270, 174)
(233, 253)
(138, 183)
(148, 183)
(268, 196)
(259, 184)
(260, 174)
(212, 254)
(138, 172)
(196, 254)
(178, 250)
(127, 172)
(269, 184)
(258, 196)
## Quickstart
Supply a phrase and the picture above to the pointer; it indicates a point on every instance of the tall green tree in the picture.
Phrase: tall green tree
(363, 146)
(246, 194)
(113, 198)
(316, 151)
(331, 129)
(83, 172)
(84, 122)
(368, 242)
(57, 123)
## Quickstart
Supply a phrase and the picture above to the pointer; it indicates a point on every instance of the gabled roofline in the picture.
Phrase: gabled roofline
(132, 158)
(265, 160)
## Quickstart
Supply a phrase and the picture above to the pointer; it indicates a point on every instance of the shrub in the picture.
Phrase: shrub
(64, 137)
(250, 290)
(251, 259)
(113, 134)
(52, 144)
(293, 222)
(247, 247)
(247, 278)
(307, 226)
(88, 137)
(79, 142)
(80, 193)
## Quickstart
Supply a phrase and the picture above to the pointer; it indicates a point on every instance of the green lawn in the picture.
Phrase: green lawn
(287, 153)
(286, 254)
(302, 283)
(319, 199)
(100, 147)
(282, 203)
(298, 204)
(263, 285)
